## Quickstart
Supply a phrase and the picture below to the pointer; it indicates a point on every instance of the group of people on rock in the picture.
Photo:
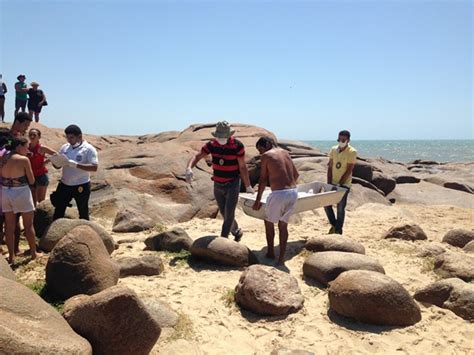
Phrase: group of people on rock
(31, 97)
(276, 170)
(24, 178)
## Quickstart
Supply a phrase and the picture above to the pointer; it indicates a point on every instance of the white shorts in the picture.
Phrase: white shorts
(17, 199)
(280, 205)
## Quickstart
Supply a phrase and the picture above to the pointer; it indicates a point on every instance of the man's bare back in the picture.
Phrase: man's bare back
(280, 169)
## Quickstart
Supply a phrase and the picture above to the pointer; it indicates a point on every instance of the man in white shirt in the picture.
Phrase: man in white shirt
(78, 160)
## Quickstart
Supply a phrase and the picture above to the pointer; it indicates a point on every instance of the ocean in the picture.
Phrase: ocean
(408, 150)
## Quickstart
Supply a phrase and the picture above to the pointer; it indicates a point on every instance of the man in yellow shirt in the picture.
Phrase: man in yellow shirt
(342, 158)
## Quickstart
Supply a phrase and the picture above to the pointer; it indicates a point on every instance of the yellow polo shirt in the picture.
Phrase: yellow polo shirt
(340, 160)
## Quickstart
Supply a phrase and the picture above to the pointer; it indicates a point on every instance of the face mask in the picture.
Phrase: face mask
(342, 145)
(76, 145)
(221, 141)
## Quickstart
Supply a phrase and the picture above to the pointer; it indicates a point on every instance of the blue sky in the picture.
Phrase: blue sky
(304, 70)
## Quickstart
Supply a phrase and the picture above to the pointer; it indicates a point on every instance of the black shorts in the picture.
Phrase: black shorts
(34, 107)
(20, 104)
(41, 180)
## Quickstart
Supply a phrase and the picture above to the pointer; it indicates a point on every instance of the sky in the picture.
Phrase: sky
(301, 69)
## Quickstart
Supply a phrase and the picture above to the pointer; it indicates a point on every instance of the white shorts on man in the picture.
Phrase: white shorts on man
(280, 205)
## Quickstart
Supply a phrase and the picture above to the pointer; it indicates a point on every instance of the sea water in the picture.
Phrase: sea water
(408, 150)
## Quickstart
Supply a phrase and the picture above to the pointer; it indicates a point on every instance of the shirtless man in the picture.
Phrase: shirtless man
(278, 169)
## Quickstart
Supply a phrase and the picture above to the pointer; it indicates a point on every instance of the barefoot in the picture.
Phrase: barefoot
(36, 255)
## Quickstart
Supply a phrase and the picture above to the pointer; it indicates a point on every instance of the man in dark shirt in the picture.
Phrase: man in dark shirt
(228, 164)
(36, 101)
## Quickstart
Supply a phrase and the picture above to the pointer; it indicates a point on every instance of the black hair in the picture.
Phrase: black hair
(265, 141)
(22, 117)
(15, 142)
(36, 130)
(345, 133)
(5, 137)
(73, 129)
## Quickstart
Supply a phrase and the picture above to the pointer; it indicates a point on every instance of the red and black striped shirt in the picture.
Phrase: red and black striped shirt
(224, 159)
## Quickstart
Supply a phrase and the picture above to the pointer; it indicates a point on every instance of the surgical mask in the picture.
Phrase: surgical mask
(76, 145)
(221, 141)
(342, 145)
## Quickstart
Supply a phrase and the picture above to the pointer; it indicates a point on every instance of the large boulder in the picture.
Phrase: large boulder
(173, 240)
(458, 237)
(44, 214)
(334, 243)
(406, 179)
(458, 186)
(265, 290)
(114, 321)
(430, 251)
(453, 294)
(160, 311)
(326, 266)
(363, 170)
(148, 265)
(384, 183)
(5, 270)
(469, 247)
(449, 265)
(369, 185)
(80, 264)
(406, 232)
(28, 325)
(60, 227)
(372, 297)
(131, 221)
(223, 251)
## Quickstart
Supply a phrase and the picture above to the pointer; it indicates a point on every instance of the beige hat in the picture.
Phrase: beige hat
(34, 83)
(223, 130)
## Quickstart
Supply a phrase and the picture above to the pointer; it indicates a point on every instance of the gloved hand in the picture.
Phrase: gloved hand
(71, 163)
(189, 175)
(249, 190)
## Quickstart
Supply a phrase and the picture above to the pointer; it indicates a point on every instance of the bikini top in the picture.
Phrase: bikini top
(15, 182)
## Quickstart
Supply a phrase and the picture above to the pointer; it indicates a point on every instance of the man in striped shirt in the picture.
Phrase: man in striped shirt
(228, 164)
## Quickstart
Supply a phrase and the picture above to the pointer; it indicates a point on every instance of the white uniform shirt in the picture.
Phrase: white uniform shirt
(84, 154)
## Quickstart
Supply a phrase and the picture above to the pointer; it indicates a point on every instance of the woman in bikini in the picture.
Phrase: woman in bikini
(17, 175)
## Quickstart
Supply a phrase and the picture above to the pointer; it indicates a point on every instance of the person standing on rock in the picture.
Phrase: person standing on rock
(278, 169)
(342, 158)
(21, 91)
(228, 164)
(36, 101)
(78, 159)
(3, 91)
(20, 124)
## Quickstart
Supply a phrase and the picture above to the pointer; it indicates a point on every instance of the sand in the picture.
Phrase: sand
(210, 323)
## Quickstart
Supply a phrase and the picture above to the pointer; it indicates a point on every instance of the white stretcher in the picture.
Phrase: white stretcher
(310, 196)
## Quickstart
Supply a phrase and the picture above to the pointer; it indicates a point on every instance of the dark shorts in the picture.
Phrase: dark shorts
(42, 180)
(34, 107)
(20, 104)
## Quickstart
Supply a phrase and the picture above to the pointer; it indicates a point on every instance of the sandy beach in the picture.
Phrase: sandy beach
(211, 323)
